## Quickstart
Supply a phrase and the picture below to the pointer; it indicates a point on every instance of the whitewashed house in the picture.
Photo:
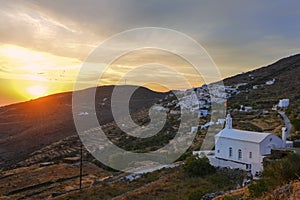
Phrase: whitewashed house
(203, 113)
(246, 108)
(271, 82)
(244, 149)
(194, 129)
(240, 85)
(283, 103)
(202, 103)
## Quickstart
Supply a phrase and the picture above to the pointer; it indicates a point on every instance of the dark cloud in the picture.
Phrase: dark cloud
(225, 28)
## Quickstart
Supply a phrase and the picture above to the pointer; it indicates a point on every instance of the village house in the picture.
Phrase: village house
(271, 82)
(283, 103)
(246, 108)
(203, 113)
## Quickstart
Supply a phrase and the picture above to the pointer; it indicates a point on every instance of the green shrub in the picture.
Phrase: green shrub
(296, 124)
(277, 173)
(219, 181)
(196, 166)
(283, 171)
(196, 194)
(150, 177)
(258, 188)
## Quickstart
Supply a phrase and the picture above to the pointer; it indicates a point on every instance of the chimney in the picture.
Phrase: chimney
(228, 122)
(284, 137)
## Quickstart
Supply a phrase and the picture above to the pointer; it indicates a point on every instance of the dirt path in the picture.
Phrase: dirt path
(287, 123)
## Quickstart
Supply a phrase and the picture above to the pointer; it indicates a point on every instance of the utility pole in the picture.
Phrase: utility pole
(80, 175)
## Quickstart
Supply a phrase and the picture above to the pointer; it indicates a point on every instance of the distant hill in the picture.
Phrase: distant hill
(29, 126)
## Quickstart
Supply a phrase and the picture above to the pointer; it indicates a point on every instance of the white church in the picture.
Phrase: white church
(245, 149)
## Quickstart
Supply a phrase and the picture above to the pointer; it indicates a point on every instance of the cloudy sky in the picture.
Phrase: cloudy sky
(43, 43)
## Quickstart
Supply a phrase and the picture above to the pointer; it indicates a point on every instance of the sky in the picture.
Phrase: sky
(43, 43)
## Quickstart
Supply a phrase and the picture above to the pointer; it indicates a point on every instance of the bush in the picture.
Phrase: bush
(219, 181)
(258, 188)
(184, 156)
(283, 171)
(296, 124)
(277, 173)
(150, 177)
(196, 195)
(196, 166)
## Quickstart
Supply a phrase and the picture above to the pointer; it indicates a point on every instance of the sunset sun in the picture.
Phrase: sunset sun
(37, 91)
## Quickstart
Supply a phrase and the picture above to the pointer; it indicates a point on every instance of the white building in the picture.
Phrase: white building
(244, 149)
(220, 121)
(240, 85)
(283, 103)
(194, 129)
(271, 82)
(246, 108)
(203, 113)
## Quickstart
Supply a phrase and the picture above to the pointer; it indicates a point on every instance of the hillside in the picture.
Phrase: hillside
(38, 137)
(257, 93)
(29, 126)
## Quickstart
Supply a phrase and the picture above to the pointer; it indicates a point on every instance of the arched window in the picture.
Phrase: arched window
(240, 154)
(230, 151)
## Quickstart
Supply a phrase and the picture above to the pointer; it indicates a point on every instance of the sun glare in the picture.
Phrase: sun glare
(37, 91)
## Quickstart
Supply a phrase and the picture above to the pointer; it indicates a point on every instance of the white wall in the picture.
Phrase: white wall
(284, 103)
(256, 167)
(270, 142)
(223, 145)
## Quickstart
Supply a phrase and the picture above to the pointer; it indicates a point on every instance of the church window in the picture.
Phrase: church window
(230, 151)
(240, 154)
